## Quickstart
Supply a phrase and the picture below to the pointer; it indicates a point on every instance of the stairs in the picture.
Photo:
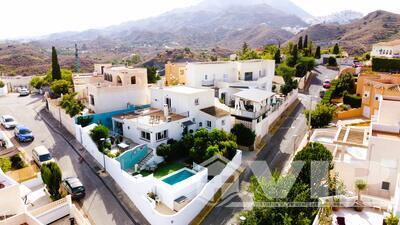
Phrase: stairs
(143, 162)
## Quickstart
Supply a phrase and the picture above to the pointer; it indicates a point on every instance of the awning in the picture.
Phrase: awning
(255, 95)
(188, 123)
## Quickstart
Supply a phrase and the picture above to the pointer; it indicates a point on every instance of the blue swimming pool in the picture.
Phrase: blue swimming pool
(178, 177)
(131, 157)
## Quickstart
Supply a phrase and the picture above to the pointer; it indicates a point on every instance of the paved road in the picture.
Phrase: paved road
(99, 203)
(276, 153)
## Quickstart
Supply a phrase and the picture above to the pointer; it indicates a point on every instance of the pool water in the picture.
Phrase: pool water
(178, 177)
(131, 157)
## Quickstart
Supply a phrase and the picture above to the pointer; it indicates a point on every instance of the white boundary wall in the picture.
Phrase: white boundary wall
(61, 116)
(137, 187)
(3, 90)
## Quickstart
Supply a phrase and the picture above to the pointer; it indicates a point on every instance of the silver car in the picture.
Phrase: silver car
(8, 121)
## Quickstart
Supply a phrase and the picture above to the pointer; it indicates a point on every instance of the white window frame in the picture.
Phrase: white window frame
(160, 136)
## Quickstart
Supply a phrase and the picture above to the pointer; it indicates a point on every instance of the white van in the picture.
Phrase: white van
(41, 155)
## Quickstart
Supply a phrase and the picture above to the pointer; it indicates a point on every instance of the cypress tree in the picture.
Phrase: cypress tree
(300, 44)
(55, 67)
(305, 41)
(336, 49)
(277, 56)
(318, 53)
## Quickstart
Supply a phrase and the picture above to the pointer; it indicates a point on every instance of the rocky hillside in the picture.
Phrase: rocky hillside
(358, 36)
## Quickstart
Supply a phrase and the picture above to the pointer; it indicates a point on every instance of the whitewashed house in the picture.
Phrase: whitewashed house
(112, 88)
(390, 49)
(230, 77)
(174, 110)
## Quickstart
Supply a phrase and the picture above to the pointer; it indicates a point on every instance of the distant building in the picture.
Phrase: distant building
(390, 49)
(175, 73)
(112, 88)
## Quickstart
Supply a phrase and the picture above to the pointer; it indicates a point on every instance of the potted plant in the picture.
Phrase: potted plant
(336, 203)
(391, 220)
(325, 214)
(360, 185)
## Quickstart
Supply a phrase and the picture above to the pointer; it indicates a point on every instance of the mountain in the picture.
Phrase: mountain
(358, 36)
(342, 17)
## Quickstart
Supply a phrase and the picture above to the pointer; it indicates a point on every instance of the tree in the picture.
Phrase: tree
(305, 45)
(5, 164)
(71, 105)
(285, 71)
(391, 220)
(360, 185)
(36, 82)
(51, 176)
(55, 66)
(332, 61)
(164, 150)
(346, 83)
(277, 56)
(314, 152)
(60, 87)
(152, 76)
(99, 134)
(1, 84)
(289, 85)
(336, 49)
(244, 135)
(304, 65)
(17, 162)
(245, 47)
(321, 116)
(300, 43)
(318, 52)
(294, 56)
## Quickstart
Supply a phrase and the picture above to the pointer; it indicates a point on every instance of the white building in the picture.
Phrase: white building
(390, 49)
(174, 110)
(112, 88)
(230, 77)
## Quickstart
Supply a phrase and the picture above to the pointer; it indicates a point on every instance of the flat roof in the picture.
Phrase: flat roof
(215, 111)
(255, 95)
(183, 89)
(389, 43)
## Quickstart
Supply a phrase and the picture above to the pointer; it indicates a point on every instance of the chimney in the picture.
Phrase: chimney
(166, 111)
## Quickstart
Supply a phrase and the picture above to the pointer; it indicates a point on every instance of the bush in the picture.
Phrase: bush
(17, 162)
(321, 116)
(5, 164)
(164, 150)
(51, 176)
(84, 120)
(385, 65)
(60, 87)
(329, 93)
(332, 61)
(244, 135)
(304, 65)
(1, 84)
(37, 82)
(97, 134)
(353, 100)
(71, 105)
(345, 83)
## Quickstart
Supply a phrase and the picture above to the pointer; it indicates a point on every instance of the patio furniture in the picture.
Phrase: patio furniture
(340, 220)
(123, 145)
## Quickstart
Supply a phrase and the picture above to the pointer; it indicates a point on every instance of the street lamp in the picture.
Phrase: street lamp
(104, 155)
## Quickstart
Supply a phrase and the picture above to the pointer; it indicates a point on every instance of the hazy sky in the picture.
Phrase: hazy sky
(27, 18)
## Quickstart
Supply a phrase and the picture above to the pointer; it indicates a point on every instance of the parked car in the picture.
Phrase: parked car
(327, 84)
(23, 134)
(8, 121)
(3, 142)
(41, 155)
(74, 187)
(24, 92)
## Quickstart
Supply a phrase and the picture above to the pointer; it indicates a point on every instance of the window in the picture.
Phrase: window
(366, 94)
(385, 185)
(205, 77)
(208, 124)
(377, 97)
(133, 80)
(196, 101)
(91, 99)
(248, 76)
(223, 122)
(145, 135)
(162, 135)
(200, 124)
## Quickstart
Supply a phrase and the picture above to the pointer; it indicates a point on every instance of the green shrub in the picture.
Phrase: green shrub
(99, 134)
(385, 65)
(321, 116)
(353, 100)
(60, 87)
(329, 93)
(332, 61)
(5, 164)
(17, 162)
(51, 176)
(244, 135)
(84, 120)
(1, 84)
(164, 150)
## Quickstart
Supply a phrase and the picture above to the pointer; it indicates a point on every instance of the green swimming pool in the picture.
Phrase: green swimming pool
(178, 177)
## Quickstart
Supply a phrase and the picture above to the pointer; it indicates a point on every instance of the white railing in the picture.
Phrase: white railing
(207, 82)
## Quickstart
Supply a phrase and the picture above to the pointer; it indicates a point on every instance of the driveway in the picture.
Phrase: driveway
(276, 153)
(99, 204)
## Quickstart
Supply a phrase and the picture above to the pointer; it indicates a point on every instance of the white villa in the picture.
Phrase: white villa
(112, 88)
(371, 154)
(174, 110)
(390, 49)
(230, 77)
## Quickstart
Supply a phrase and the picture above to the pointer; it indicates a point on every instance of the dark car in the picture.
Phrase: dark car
(74, 187)
(23, 134)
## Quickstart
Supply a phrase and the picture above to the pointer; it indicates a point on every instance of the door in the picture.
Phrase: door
(168, 102)
(366, 112)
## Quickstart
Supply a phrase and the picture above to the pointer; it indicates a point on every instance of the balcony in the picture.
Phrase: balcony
(207, 83)
(249, 114)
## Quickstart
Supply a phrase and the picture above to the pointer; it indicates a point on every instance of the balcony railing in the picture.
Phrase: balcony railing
(248, 114)
(207, 83)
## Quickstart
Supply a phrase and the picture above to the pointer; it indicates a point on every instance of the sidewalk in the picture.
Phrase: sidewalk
(126, 204)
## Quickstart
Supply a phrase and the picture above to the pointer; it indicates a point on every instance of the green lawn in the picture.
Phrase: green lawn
(167, 168)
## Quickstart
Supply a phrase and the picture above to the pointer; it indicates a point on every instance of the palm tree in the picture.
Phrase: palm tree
(360, 186)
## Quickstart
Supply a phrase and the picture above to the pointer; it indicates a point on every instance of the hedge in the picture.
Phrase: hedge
(329, 93)
(385, 65)
(353, 100)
